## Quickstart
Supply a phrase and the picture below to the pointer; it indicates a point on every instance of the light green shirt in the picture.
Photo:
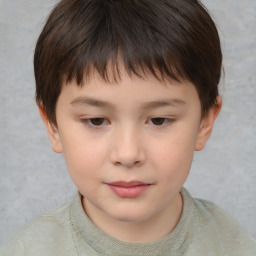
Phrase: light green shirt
(203, 229)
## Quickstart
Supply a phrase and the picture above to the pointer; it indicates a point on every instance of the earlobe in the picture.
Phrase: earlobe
(206, 125)
(52, 131)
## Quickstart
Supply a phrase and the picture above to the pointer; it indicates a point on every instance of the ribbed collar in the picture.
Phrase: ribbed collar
(87, 233)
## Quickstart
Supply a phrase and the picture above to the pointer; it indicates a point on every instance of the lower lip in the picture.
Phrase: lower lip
(129, 192)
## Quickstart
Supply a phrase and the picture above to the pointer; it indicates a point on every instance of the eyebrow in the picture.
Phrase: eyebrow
(163, 103)
(90, 102)
(147, 105)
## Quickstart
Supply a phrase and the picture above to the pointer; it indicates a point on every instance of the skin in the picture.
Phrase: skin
(139, 130)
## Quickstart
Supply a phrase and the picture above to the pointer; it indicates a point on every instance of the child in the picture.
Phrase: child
(128, 90)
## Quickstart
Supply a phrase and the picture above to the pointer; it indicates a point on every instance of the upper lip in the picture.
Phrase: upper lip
(127, 183)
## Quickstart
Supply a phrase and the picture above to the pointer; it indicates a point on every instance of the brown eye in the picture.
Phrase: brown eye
(96, 121)
(159, 121)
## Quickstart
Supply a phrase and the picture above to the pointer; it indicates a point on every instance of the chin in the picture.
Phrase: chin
(129, 217)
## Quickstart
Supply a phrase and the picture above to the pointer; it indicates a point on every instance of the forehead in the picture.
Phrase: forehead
(131, 90)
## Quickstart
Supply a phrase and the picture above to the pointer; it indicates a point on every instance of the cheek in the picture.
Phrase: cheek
(84, 157)
(174, 157)
(177, 148)
(177, 161)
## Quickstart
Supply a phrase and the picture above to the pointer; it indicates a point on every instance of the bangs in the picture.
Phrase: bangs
(123, 36)
(174, 39)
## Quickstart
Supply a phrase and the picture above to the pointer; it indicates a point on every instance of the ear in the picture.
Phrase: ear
(206, 125)
(52, 131)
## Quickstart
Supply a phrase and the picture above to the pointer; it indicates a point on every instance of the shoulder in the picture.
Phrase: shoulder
(207, 211)
(213, 215)
(221, 230)
(40, 234)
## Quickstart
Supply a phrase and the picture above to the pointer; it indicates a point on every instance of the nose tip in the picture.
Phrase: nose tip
(128, 152)
(128, 157)
(128, 164)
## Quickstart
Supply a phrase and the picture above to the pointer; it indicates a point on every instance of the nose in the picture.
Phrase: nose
(127, 148)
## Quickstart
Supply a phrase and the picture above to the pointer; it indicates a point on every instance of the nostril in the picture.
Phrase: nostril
(127, 164)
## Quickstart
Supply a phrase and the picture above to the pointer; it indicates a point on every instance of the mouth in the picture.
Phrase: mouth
(131, 189)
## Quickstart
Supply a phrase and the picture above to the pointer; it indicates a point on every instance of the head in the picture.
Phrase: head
(128, 89)
(167, 38)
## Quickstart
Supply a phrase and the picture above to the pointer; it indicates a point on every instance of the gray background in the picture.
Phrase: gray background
(33, 179)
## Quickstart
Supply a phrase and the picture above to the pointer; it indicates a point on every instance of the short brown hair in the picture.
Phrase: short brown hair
(173, 38)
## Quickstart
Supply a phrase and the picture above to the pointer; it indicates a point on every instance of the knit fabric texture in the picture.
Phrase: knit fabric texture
(203, 229)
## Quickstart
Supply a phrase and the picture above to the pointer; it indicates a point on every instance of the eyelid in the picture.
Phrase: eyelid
(86, 121)
(167, 121)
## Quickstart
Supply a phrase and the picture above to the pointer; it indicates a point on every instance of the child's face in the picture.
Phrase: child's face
(129, 147)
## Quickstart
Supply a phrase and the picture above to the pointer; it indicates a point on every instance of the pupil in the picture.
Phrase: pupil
(158, 121)
(97, 121)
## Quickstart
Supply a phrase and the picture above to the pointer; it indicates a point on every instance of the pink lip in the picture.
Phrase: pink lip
(130, 189)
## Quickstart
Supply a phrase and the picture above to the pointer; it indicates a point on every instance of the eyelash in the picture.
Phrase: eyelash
(166, 122)
(88, 121)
